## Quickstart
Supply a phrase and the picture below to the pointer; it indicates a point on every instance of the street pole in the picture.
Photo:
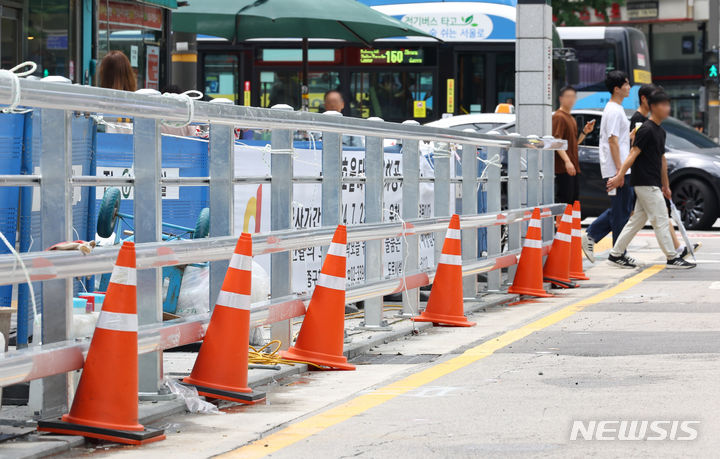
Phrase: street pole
(184, 60)
(533, 67)
(713, 43)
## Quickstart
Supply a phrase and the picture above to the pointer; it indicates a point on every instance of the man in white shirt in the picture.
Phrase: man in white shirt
(614, 149)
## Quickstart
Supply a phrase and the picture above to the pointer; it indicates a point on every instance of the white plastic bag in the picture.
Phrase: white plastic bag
(189, 394)
(193, 298)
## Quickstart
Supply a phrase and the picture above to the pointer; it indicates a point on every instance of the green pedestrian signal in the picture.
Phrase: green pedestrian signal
(713, 71)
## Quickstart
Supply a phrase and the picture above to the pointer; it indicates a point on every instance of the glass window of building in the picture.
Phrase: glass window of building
(10, 38)
(51, 36)
(136, 30)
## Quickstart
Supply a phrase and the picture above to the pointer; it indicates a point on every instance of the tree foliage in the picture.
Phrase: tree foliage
(570, 12)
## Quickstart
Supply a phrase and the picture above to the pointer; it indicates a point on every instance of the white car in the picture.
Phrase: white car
(479, 122)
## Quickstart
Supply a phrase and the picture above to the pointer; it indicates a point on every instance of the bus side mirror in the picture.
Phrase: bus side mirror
(572, 72)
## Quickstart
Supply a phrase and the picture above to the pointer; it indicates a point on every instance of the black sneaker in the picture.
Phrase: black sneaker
(680, 263)
(685, 252)
(623, 261)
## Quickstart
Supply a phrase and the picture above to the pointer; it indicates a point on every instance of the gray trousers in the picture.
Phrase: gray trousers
(649, 205)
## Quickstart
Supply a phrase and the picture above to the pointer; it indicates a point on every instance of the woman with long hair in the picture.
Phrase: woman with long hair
(116, 72)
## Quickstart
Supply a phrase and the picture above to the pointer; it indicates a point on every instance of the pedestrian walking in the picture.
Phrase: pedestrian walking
(614, 149)
(636, 120)
(651, 183)
(567, 166)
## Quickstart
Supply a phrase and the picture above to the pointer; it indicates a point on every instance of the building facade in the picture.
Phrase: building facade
(69, 37)
(676, 35)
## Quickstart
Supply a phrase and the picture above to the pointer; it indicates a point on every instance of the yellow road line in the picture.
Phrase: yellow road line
(319, 422)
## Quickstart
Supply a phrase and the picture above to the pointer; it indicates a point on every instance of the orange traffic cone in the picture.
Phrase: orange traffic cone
(221, 367)
(557, 265)
(321, 337)
(445, 305)
(528, 276)
(106, 401)
(576, 255)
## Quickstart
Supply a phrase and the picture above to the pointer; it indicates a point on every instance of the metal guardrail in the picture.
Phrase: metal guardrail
(59, 102)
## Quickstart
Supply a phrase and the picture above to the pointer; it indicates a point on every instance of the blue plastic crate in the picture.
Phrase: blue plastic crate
(11, 147)
(181, 156)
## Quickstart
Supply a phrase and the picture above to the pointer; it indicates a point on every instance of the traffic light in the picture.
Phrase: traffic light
(712, 66)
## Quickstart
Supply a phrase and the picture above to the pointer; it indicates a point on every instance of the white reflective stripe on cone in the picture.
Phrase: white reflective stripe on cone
(452, 233)
(117, 321)
(566, 218)
(336, 249)
(563, 237)
(533, 243)
(124, 276)
(576, 214)
(576, 233)
(331, 282)
(233, 300)
(534, 224)
(455, 260)
(241, 262)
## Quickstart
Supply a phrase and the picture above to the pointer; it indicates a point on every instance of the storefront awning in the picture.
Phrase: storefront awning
(171, 4)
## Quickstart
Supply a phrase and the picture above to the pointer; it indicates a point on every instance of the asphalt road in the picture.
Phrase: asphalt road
(638, 345)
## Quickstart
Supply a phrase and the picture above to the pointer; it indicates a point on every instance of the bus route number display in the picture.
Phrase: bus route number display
(390, 56)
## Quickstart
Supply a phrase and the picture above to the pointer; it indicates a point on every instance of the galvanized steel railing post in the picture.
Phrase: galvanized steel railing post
(281, 205)
(494, 203)
(56, 220)
(514, 192)
(410, 210)
(148, 228)
(374, 197)
(222, 191)
(469, 207)
(534, 192)
(331, 178)
(441, 189)
(548, 190)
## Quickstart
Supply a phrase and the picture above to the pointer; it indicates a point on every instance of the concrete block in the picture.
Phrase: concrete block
(534, 120)
(531, 54)
(533, 21)
(531, 88)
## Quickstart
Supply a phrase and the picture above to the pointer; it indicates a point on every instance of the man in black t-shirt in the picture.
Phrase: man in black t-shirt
(642, 112)
(636, 120)
(650, 180)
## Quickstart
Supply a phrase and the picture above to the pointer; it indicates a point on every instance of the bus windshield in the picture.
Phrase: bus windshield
(594, 62)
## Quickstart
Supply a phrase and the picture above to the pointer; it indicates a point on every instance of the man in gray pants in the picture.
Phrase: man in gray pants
(651, 183)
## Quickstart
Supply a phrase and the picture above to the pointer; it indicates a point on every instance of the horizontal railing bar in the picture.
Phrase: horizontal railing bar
(45, 94)
(20, 180)
(56, 358)
(63, 265)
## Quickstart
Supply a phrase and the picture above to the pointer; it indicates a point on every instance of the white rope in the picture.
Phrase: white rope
(414, 309)
(189, 104)
(14, 75)
(36, 319)
(494, 161)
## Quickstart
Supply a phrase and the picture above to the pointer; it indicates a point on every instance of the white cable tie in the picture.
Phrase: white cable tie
(12, 250)
(14, 74)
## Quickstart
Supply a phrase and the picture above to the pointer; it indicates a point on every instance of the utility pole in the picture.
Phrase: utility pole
(533, 67)
(711, 80)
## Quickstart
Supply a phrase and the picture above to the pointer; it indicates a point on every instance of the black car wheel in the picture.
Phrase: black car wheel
(696, 202)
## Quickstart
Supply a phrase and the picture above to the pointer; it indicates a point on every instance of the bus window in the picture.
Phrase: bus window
(471, 84)
(639, 58)
(283, 87)
(594, 62)
(392, 96)
(221, 76)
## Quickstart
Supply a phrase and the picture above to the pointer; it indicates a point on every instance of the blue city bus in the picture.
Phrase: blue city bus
(471, 71)
(601, 49)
